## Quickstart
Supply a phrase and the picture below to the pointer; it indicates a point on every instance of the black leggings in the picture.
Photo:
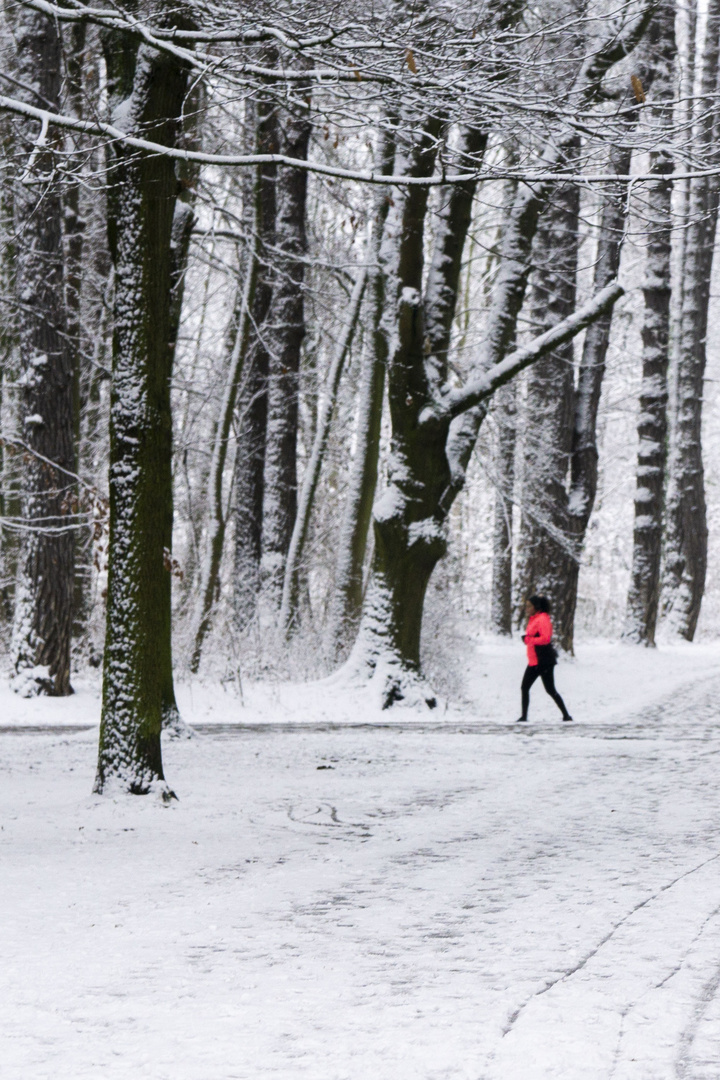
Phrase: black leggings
(548, 680)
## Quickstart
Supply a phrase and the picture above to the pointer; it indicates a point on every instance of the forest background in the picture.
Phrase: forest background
(306, 312)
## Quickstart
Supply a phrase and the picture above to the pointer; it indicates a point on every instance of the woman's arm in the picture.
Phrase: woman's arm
(543, 630)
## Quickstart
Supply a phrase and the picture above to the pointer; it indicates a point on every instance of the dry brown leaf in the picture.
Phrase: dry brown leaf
(638, 89)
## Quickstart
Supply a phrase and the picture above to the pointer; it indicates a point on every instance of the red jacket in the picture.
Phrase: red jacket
(539, 632)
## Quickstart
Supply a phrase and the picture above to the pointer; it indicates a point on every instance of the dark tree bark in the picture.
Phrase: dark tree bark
(252, 399)
(43, 597)
(148, 90)
(643, 596)
(686, 518)
(286, 334)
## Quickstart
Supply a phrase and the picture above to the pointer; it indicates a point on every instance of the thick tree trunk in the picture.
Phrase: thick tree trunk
(287, 330)
(643, 596)
(543, 553)
(43, 598)
(149, 90)
(252, 401)
(686, 518)
(408, 539)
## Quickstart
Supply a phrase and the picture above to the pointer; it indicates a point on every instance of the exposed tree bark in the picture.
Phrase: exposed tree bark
(148, 90)
(346, 603)
(643, 596)
(252, 401)
(686, 517)
(286, 334)
(43, 597)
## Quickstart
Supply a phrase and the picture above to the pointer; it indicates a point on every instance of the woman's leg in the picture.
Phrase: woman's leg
(548, 678)
(531, 674)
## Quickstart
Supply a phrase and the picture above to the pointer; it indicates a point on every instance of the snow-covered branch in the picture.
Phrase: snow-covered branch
(458, 401)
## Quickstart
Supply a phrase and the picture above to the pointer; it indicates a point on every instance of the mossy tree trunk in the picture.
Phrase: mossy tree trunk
(148, 91)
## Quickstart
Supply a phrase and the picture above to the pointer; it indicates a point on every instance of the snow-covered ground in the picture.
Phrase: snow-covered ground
(449, 896)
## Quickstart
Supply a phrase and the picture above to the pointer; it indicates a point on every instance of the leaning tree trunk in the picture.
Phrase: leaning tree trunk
(252, 399)
(149, 91)
(686, 518)
(548, 417)
(643, 596)
(287, 330)
(43, 598)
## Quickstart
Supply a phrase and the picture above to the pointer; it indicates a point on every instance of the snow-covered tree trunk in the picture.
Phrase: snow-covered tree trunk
(643, 596)
(286, 334)
(43, 596)
(408, 539)
(252, 399)
(549, 413)
(346, 603)
(148, 90)
(8, 376)
(505, 414)
(686, 516)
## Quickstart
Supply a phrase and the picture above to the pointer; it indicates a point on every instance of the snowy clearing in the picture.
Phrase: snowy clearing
(446, 897)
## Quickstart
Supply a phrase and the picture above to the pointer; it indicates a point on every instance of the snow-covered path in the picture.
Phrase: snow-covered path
(470, 901)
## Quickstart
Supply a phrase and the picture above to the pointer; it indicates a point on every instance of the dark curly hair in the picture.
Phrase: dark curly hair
(540, 603)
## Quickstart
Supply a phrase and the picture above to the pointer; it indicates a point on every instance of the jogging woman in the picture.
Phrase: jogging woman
(540, 654)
